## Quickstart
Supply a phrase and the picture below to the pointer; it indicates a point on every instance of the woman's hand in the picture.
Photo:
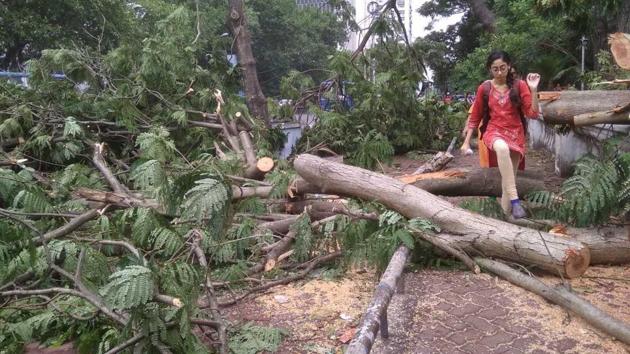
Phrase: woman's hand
(465, 149)
(533, 79)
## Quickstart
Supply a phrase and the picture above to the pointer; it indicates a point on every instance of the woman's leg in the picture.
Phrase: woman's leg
(508, 163)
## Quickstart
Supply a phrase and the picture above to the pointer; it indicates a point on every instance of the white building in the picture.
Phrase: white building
(366, 10)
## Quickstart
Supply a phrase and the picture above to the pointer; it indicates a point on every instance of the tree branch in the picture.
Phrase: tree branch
(101, 165)
(67, 228)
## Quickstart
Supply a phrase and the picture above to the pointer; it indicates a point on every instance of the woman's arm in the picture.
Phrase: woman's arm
(529, 96)
(474, 118)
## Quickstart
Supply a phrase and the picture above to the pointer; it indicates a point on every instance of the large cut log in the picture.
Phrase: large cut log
(563, 297)
(375, 318)
(581, 108)
(476, 182)
(479, 234)
(620, 48)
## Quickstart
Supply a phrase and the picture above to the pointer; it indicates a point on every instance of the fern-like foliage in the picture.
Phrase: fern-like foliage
(207, 203)
(166, 240)
(485, 206)
(206, 198)
(32, 200)
(156, 145)
(145, 223)
(303, 237)
(179, 279)
(129, 287)
(372, 148)
(250, 338)
(149, 175)
(280, 180)
(597, 190)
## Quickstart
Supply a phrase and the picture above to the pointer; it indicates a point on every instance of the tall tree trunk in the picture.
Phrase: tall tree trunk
(623, 18)
(256, 101)
(484, 14)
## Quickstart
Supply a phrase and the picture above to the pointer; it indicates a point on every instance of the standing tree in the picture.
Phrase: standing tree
(256, 101)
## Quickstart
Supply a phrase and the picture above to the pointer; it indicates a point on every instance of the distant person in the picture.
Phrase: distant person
(468, 98)
(448, 98)
(501, 105)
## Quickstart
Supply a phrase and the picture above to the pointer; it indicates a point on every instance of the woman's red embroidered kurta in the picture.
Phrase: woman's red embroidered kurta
(505, 122)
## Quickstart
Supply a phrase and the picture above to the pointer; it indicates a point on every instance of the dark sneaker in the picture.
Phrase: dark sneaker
(518, 212)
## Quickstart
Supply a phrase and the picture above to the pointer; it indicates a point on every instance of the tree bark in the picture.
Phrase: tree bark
(470, 232)
(563, 297)
(256, 101)
(563, 107)
(478, 182)
(376, 315)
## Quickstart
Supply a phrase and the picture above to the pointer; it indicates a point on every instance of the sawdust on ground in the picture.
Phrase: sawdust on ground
(319, 315)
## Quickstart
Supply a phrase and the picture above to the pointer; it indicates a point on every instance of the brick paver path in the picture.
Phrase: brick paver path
(460, 312)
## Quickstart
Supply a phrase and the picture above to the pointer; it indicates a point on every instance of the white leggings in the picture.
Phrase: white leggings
(508, 163)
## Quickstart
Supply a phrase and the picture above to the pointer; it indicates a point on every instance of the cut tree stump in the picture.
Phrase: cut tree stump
(476, 182)
(581, 108)
(620, 48)
(470, 232)
(375, 318)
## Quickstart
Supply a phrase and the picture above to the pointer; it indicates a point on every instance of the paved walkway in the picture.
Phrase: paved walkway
(459, 312)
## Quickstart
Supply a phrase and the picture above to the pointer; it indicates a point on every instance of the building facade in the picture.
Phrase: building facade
(366, 10)
(320, 4)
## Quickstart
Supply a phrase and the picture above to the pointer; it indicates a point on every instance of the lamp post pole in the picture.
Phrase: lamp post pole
(583, 41)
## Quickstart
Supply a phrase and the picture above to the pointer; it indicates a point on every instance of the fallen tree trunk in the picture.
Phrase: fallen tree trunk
(609, 245)
(375, 318)
(581, 108)
(477, 182)
(478, 234)
(561, 296)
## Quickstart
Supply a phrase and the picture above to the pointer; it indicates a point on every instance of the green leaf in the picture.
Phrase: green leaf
(129, 287)
(405, 237)
(72, 128)
(180, 117)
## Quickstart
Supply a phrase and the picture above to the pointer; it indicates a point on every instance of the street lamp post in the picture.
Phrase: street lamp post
(583, 41)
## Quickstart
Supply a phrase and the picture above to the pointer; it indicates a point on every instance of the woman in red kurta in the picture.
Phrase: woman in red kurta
(504, 133)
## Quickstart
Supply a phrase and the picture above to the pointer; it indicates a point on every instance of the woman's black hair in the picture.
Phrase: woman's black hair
(499, 54)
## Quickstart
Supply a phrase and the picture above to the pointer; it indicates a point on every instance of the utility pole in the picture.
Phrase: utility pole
(583, 41)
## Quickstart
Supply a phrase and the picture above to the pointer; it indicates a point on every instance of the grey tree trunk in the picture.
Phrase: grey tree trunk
(470, 232)
(479, 182)
(256, 101)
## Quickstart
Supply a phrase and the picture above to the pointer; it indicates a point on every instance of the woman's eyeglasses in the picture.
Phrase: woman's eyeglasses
(496, 69)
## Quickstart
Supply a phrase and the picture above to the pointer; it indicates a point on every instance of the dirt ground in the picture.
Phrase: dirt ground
(443, 311)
